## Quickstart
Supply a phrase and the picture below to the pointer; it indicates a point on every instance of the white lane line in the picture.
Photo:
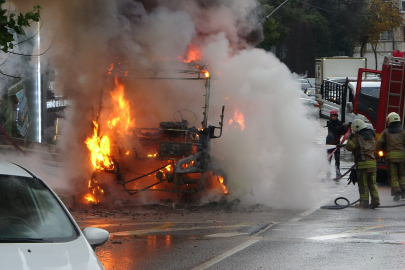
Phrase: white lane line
(218, 235)
(349, 233)
(340, 235)
(234, 250)
(225, 255)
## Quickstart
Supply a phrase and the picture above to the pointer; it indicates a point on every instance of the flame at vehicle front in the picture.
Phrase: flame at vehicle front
(99, 145)
(223, 187)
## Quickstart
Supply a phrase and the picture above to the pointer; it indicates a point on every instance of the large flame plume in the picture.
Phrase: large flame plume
(99, 145)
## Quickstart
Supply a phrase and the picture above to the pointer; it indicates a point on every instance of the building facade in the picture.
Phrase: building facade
(389, 42)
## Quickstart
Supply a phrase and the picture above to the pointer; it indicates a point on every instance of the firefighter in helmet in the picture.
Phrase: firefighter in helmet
(391, 141)
(335, 130)
(362, 144)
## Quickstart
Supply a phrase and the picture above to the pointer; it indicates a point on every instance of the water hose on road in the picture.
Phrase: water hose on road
(343, 206)
(338, 206)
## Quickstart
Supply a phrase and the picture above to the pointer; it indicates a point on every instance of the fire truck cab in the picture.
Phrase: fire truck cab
(376, 106)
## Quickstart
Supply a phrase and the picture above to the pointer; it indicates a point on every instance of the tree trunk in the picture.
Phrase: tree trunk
(363, 47)
(374, 46)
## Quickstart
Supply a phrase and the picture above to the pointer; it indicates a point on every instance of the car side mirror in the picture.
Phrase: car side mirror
(95, 236)
(349, 107)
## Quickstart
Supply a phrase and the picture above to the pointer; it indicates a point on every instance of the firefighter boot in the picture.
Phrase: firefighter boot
(362, 205)
(338, 174)
(397, 196)
(374, 205)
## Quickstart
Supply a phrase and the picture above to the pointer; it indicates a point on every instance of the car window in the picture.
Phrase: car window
(29, 210)
(312, 81)
(371, 91)
(310, 92)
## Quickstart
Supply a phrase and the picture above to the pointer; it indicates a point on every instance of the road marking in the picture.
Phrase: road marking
(350, 233)
(158, 230)
(163, 226)
(225, 255)
(234, 250)
(220, 235)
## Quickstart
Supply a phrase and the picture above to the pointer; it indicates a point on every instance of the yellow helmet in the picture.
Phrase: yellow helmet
(358, 125)
(393, 117)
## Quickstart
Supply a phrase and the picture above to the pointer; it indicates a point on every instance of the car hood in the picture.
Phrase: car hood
(76, 254)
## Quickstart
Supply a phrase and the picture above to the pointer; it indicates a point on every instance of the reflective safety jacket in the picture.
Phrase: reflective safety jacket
(362, 144)
(391, 141)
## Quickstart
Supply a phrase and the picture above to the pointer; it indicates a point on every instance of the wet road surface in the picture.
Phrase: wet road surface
(217, 236)
(157, 237)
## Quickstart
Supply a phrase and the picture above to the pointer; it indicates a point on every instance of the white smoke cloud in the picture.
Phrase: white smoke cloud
(272, 161)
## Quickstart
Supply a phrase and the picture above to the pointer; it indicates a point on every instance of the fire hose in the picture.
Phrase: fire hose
(338, 206)
(2, 130)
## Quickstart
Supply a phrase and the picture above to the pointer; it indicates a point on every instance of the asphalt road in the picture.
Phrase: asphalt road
(233, 236)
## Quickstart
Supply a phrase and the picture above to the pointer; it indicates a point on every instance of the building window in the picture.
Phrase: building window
(403, 6)
(387, 35)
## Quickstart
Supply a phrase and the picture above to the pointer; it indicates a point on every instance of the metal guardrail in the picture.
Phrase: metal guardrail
(332, 91)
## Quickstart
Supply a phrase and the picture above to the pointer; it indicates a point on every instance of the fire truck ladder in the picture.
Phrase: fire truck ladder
(397, 64)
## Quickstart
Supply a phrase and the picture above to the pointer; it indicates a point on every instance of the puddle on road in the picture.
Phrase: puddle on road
(130, 252)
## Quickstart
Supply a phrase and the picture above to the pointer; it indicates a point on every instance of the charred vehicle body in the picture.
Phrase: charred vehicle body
(173, 157)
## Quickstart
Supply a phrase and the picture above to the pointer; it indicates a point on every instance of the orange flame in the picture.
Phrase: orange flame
(206, 73)
(90, 198)
(223, 187)
(99, 147)
(239, 118)
(193, 54)
(111, 68)
(121, 112)
(152, 155)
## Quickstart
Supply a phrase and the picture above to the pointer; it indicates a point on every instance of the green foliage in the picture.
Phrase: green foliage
(321, 34)
(384, 16)
(11, 24)
(325, 28)
(271, 35)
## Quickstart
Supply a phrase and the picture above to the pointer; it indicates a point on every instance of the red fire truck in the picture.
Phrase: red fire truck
(391, 97)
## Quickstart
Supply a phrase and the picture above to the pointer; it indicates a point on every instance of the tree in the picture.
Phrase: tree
(11, 24)
(307, 29)
(384, 17)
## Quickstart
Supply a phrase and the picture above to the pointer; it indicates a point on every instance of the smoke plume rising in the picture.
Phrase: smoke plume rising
(271, 161)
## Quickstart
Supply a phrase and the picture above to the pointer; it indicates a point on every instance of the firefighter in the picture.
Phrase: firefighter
(362, 144)
(335, 130)
(391, 141)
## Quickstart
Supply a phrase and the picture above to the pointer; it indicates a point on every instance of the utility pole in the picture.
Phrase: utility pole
(268, 16)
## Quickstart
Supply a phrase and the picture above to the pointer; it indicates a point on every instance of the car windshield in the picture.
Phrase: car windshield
(29, 212)
(371, 91)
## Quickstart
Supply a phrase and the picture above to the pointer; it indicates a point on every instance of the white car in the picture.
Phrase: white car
(36, 229)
